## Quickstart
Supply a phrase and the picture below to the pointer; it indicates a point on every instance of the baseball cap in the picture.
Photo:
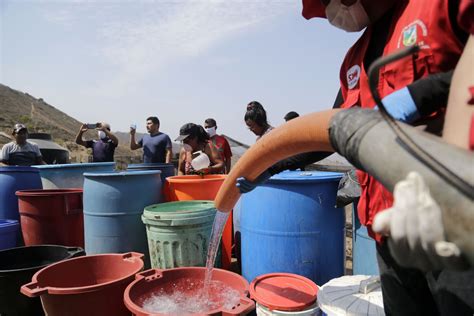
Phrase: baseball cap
(186, 130)
(18, 127)
(313, 9)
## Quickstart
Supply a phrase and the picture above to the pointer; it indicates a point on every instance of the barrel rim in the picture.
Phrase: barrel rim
(305, 177)
(19, 169)
(75, 165)
(197, 178)
(122, 173)
(48, 192)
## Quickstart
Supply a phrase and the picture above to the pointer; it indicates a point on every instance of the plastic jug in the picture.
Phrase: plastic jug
(201, 161)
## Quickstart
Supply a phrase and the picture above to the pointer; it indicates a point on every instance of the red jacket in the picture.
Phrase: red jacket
(422, 22)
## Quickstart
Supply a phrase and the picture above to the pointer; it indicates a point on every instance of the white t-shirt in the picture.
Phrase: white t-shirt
(16, 155)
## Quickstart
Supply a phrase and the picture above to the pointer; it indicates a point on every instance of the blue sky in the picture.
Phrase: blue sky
(183, 60)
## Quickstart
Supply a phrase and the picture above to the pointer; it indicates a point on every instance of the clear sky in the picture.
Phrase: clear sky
(183, 61)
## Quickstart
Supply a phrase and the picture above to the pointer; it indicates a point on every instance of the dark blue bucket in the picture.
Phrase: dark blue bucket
(14, 179)
(290, 224)
(113, 206)
(8, 233)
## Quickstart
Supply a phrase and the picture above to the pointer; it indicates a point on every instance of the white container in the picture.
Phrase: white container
(354, 295)
(310, 311)
(201, 161)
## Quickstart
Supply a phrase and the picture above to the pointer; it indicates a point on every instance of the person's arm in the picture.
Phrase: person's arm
(298, 161)
(217, 163)
(133, 143)
(169, 150)
(182, 162)
(110, 135)
(79, 139)
(4, 156)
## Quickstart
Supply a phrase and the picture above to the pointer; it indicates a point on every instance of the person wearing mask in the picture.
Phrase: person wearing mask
(21, 152)
(220, 142)
(291, 115)
(157, 147)
(197, 142)
(256, 119)
(414, 90)
(103, 149)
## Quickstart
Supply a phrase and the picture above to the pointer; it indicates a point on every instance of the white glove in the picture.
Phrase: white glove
(415, 228)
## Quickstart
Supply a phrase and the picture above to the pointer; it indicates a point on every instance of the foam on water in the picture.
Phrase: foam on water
(187, 296)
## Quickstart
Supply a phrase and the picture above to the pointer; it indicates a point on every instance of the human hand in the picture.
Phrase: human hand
(83, 128)
(415, 228)
(400, 106)
(246, 186)
(133, 131)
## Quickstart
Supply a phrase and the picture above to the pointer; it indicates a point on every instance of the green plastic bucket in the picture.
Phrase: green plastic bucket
(178, 233)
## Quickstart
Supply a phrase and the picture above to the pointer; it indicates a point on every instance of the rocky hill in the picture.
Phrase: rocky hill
(41, 117)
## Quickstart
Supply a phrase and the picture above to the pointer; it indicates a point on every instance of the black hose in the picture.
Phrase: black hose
(415, 150)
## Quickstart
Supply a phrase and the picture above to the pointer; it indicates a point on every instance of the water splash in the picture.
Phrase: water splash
(187, 296)
(217, 228)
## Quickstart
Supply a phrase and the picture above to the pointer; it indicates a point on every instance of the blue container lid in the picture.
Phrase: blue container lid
(18, 169)
(149, 165)
(305, 176)
(121, 173)
(76, 165)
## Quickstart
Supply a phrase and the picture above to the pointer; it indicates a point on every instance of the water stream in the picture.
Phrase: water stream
(217, 228)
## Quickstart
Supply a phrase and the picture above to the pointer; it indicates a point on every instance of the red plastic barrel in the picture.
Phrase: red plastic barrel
(195, 187)
(91, 285)
(52, 217)
(154, 280)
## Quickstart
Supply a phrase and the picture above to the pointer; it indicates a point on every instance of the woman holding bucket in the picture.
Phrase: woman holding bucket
(198, 155)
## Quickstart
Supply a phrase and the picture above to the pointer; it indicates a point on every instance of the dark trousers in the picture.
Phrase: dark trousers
(411, 292)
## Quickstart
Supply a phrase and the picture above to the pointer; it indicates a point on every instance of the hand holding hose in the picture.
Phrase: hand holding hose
(246, 186)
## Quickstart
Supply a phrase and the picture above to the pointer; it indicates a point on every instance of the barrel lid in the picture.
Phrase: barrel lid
(354, 295)
(180, 210)
(77, 165)
(18, 169)
(306, 176)
(121, 173)
(284, 291)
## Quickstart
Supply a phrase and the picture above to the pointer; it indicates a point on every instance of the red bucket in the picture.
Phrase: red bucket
(154, 281)
(91, 285)
(52, 217)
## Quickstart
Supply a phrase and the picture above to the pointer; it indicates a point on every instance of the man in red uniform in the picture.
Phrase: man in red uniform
(431, 24)
(220, 142)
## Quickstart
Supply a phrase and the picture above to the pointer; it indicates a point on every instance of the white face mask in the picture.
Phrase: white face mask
(211, 131)
(101, 134)
(350, 19)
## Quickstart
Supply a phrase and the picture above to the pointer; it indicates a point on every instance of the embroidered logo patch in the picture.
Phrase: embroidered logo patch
(353, 75)
(410, 36)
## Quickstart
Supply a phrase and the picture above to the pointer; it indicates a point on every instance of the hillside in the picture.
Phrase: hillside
(41, 117)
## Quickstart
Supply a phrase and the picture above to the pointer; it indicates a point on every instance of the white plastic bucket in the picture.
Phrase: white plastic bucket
(310, 311)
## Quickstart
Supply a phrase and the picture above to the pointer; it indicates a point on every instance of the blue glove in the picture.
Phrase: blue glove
(246, 186)
(401, 106)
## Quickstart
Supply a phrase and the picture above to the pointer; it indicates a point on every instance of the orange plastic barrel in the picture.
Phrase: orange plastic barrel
(85, 286)
(52, 217)
(195, 187)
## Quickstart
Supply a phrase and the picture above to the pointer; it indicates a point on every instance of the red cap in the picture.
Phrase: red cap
(284, 291)
(313, 9)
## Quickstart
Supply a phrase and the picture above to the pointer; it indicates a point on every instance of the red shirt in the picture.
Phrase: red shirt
(466, 15)
(223, 147)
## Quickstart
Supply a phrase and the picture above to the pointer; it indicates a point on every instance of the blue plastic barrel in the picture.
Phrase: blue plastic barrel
(290, 224)
(167, 169)
(8, 233)
(113, 205)
(14, 179)
(66, 176)
(364, 255)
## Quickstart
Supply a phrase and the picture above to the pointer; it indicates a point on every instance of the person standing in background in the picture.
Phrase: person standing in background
(220, 142)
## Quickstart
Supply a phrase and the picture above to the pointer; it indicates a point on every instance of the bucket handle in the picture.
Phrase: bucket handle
(132, 256)
(149, 275)
(246, 305)
(74, 251)
(32, 289)
(72, 211)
